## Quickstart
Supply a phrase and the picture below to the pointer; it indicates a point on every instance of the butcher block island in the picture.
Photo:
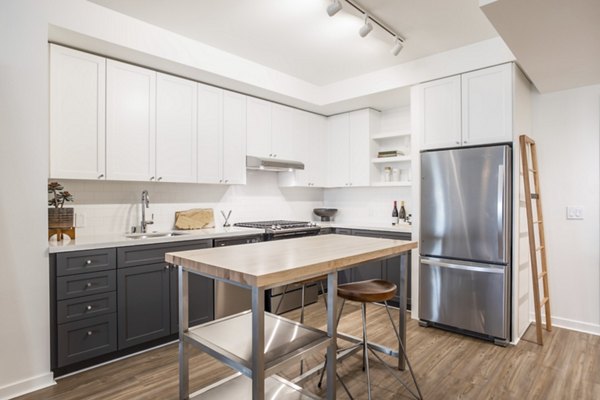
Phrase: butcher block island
(260, 344)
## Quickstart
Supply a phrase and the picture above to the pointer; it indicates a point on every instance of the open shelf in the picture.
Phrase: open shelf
(383, 160)
(390, 135)
(286, 341)
(240, 387)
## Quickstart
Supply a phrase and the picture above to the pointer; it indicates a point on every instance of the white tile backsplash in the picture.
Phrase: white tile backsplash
(113, 207)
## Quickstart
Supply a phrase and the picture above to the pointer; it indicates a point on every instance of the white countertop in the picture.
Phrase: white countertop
(119, 240)
(370, 226)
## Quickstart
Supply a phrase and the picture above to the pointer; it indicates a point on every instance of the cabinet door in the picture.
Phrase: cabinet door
(175, 129)
(234, 138)
(201, 299)
(338, 150)
(130, 122)
(282, 132)
(360, 139)
(210, 134)
(317, 156)
(143, 304)
(259, 128)
(487, 105)
(77, 114)
(439, 110)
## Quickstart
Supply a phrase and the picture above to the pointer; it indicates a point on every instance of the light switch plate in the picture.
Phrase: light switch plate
(574, 212)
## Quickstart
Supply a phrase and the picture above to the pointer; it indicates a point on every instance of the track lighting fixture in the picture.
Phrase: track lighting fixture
(334, 7)
(366, 28)
(397, 48)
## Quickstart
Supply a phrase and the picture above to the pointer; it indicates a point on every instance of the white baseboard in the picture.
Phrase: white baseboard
(579, 326)
(26, 386)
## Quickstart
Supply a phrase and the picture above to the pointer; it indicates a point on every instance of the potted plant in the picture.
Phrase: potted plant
(58, 216)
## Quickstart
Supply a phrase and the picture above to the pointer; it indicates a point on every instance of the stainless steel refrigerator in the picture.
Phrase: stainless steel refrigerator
(465, 240)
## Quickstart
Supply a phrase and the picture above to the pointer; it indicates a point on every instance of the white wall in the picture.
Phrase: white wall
(24, 332)
(566, 127)
(113, 207)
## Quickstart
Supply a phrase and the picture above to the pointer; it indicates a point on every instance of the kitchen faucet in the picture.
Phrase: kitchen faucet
(145, 204)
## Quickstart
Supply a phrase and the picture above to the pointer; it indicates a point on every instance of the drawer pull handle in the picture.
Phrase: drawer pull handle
(88, 308)
(89, 333)
(167, 266)
(88, 262)
(89, 284)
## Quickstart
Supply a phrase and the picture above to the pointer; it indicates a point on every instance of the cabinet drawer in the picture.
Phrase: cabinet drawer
(86, 307)
(149, 254)
(343, 231)
(78, 262)
(81, 340)
(71, 286)
(382, 234)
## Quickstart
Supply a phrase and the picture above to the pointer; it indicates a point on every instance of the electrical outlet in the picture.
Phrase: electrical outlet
(79, 220)
(574, 212)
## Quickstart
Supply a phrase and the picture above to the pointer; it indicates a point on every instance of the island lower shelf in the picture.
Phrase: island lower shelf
(286, 341)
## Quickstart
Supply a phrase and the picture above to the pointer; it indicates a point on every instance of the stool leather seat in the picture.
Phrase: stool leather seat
(374, 290)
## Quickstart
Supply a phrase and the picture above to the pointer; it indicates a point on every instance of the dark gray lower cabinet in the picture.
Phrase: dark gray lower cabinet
(143, 303)
(147, 292)
(81, 340)
(201, 298)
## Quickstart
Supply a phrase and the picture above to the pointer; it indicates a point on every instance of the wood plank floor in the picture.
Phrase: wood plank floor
(447, 365)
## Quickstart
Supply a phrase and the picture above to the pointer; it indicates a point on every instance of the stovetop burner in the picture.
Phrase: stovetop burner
(277, 225)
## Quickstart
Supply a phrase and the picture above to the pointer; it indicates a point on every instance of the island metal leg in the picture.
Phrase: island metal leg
(332, 333)
(258, 343)
(402, 307)
(184, 389)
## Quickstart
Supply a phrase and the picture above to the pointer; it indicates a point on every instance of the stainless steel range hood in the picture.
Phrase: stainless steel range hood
(272, 164)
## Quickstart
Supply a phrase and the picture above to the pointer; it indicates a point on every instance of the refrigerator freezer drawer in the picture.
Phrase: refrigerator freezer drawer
(467, 296)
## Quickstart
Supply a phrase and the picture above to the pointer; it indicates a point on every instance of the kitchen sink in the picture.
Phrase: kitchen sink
(150, 235)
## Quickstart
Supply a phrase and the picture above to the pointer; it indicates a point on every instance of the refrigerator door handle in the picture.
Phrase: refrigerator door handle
(490, 270)
(500, 212)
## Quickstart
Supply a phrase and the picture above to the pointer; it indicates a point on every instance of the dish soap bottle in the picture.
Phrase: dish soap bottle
(402, 214)
(395, 214)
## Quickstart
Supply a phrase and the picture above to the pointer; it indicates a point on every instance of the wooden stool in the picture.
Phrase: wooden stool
(370, 291)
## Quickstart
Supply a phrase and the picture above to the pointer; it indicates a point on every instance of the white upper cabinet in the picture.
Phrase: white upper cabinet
(221, 136)
(176, 133)
(130, 122)
(282, 135)
(259, 127)
(270, 130)
(210, 134)
(349, 150)
(487, 105)
(77, 114)
(309, 132)
(338, 150)
(469, 109)
(360, 154)
(234, 138)
(440, 105)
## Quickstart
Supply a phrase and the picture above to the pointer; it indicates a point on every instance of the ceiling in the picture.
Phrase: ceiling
(557, 42)
(298, 38)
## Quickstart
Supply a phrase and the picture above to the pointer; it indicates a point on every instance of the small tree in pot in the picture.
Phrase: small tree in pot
(58, 216)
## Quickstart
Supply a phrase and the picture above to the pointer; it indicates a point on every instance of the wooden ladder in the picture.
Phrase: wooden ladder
(528, 151)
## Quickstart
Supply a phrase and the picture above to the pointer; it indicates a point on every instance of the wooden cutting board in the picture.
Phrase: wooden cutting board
(196, 218)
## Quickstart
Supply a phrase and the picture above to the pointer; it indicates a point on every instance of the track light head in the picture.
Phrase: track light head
(334, 7)
(366, 28)
(397, 48)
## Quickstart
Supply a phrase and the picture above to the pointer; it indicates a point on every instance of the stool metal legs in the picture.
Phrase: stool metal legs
(366, 346)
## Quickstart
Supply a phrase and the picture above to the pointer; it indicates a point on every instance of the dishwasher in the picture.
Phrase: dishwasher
(231, 299)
